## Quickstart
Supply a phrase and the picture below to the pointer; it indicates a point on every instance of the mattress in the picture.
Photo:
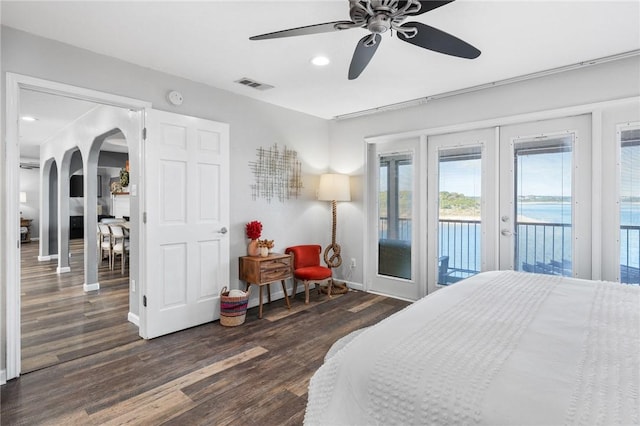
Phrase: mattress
(501, 347)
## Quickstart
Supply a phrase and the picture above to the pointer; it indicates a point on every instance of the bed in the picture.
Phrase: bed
(498, 348)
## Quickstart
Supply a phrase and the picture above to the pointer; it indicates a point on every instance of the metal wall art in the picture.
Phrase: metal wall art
(278, 174)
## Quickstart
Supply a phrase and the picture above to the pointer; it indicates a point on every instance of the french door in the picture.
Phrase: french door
(545, 197)
(462, 205)
(515, 197)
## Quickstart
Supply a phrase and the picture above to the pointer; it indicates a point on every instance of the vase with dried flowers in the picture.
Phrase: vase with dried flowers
(265, 247)
(254, 230)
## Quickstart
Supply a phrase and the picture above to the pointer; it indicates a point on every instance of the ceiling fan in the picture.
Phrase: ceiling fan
(380, 16)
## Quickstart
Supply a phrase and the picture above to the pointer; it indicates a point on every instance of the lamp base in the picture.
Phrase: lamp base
(336, 288)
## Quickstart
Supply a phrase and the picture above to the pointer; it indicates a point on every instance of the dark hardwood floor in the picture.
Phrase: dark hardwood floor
(61, 322)
(256, 373)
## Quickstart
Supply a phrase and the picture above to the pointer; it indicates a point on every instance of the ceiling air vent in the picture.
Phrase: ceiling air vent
(252, 83)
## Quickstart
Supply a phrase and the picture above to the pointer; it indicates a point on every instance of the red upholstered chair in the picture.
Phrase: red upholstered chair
(306, 268)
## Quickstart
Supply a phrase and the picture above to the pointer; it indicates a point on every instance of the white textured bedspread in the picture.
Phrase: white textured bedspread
(501, 348)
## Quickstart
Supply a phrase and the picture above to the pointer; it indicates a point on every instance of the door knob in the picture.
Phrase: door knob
(223, 230)
(506, 233)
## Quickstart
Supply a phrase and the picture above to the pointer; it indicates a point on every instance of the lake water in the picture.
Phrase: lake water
(538, 244)
(561, 212)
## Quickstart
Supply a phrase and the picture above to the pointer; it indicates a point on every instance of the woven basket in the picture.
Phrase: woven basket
(233, 310)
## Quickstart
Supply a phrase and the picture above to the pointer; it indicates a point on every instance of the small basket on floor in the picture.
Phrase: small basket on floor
(233, 310)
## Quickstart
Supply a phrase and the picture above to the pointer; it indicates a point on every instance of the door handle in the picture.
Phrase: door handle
(223, 230)
(507, 233)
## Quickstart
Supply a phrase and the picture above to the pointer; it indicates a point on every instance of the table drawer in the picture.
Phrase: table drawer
(275, 274)
(265, 270)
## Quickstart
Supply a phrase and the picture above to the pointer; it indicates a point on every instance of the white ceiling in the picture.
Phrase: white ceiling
(208, 42)
(53, 113)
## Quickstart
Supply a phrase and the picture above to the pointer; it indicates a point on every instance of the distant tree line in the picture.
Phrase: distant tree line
(457, 201)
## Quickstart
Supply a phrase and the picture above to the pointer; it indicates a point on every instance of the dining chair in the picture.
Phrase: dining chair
(120, 246)
(104, 242)
(307, 268)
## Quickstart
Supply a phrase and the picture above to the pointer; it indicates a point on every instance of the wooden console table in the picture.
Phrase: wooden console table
(262, 271)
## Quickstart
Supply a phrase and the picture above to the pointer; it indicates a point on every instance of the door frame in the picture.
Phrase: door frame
(10, 248)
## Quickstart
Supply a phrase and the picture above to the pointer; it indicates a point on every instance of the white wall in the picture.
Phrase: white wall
(598, 83)
(253, 124)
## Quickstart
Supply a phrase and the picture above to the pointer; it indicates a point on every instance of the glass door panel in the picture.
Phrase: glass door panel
(395, 206)
(545, 180)
(459, 213)
(462, 205)
(543, 205)
(630, 206)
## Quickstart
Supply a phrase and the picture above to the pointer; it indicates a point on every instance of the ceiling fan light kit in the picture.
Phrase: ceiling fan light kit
(380, 16)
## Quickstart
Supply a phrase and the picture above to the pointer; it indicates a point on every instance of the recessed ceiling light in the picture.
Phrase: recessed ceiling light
(28, 118)
(320, 61)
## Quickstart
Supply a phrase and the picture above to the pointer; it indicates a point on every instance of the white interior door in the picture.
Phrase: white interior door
(545, 197)
(187, 199)
(462, 205)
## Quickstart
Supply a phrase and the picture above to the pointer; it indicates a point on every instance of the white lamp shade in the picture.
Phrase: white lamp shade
(334, 187)
(23, 197)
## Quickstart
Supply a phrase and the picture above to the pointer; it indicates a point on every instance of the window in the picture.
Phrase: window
(630, 206)
(395, 200)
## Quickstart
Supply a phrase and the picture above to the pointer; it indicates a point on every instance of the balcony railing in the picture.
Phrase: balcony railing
(404, 229)
(630, 254)
(541, 247)
(459, 249)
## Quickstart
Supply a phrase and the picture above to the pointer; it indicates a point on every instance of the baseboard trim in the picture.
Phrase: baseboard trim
(3, 377)
(355, 286)
(91, 287)
(133, 318)
(47, 258)
(63, 270)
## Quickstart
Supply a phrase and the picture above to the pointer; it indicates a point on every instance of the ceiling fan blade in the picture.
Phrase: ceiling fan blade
(363, 55)
(434, 39)
(425, 6)
(310, 29)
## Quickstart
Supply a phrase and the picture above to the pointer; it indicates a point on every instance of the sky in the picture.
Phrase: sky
(541, 174)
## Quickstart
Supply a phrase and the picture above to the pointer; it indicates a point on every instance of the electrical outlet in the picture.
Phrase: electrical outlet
(353, 262)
